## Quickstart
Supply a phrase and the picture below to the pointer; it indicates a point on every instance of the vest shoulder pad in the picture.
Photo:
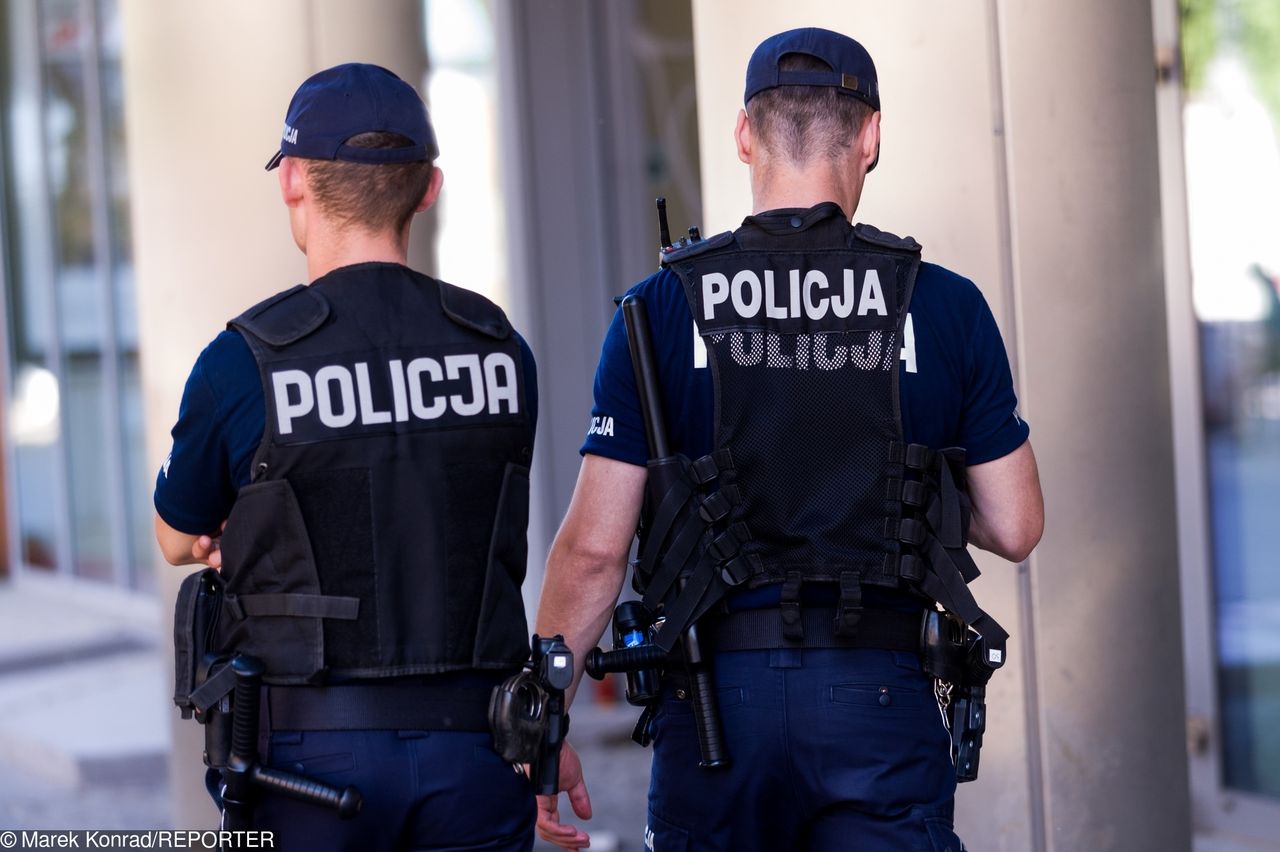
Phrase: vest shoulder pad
(884, 239)
(473, 311)
(286, 317)
(693, 249)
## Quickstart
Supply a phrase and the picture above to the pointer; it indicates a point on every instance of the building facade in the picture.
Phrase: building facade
(1106, 173)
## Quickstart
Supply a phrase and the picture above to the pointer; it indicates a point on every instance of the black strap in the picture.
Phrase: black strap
(792, 623)
(295, 606)
(664, 516)
(213, 689)
(849, 610)
(672, 562)
(758, 629)
(375, 706)
(688, 604)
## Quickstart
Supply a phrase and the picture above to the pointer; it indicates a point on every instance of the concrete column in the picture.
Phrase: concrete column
(1084, 194)
(1019, 147)
(207, 86)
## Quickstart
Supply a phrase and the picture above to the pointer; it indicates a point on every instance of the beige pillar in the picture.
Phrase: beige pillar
(206, 88)
(1019, 147)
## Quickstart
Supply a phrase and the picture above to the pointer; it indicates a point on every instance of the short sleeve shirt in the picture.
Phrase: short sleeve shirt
(955, 383)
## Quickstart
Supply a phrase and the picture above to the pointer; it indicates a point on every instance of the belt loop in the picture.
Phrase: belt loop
(792, 626)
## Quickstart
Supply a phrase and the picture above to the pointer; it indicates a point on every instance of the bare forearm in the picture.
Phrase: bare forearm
(174, 545)
(588, 559)
(578, 596)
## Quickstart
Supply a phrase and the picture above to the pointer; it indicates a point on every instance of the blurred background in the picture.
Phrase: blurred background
(1108, 173)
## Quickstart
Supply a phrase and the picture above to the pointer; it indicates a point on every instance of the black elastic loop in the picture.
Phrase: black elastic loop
(914, 494)
(910, 567)
(704, 469)
(792, 625)
(715, 508)
(736, 571)
(919, 457)
(849, 609)
(893, 490)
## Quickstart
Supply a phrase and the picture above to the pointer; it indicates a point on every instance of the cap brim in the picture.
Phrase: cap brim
(275, 160)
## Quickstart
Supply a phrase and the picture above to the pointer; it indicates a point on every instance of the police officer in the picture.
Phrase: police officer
(366, 439)
(817, 368)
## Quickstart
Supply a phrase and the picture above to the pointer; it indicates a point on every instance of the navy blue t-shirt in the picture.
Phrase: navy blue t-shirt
(219, 428)
(956, 389)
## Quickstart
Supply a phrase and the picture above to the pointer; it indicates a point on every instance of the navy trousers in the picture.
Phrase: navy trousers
(423, 790)
(831, 750)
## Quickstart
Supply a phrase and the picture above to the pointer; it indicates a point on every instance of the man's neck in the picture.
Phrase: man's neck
(335, 248)
(780, 186)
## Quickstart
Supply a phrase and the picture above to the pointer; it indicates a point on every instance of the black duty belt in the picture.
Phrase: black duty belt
(761, 629)
(377, 706)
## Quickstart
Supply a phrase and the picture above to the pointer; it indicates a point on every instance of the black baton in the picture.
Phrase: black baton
(706, 711)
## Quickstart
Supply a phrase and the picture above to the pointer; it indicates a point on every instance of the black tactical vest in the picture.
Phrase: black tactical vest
(383, 532)
(802, 320)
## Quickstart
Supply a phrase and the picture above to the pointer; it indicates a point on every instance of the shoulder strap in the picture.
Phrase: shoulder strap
(471, 310)
(285, 318)
(684, 252)
(884, 239)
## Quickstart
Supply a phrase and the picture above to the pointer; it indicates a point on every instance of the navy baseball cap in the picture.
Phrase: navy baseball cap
(344, 101)
(853, 73)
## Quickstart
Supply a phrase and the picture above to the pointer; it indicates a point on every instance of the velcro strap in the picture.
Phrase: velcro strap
(293, 605)
(949, 528)
(213, 689)
(792, 624)
(669, 507)
(690, 600)
(849, 610)
(673, 562)
(757, 629)
(376, 706)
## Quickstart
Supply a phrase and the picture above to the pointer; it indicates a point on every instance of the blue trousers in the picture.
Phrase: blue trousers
(423, 790)
(830, 749)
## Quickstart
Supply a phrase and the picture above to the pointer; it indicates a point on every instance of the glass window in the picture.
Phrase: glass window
(1231, 51)
(75, 405)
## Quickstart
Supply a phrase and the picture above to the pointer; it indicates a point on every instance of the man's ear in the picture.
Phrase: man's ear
(870, 140)
(433, 190)
(742, 136)
(292, 182)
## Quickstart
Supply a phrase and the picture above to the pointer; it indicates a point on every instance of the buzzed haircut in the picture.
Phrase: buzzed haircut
(372, 196)
(801, 122)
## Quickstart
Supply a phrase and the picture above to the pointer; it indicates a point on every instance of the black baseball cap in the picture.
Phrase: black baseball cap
(338, 103)
(852, 71)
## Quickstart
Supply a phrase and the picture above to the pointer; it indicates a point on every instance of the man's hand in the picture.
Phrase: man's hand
(207, 550)
(549, 826)
(181, 548)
